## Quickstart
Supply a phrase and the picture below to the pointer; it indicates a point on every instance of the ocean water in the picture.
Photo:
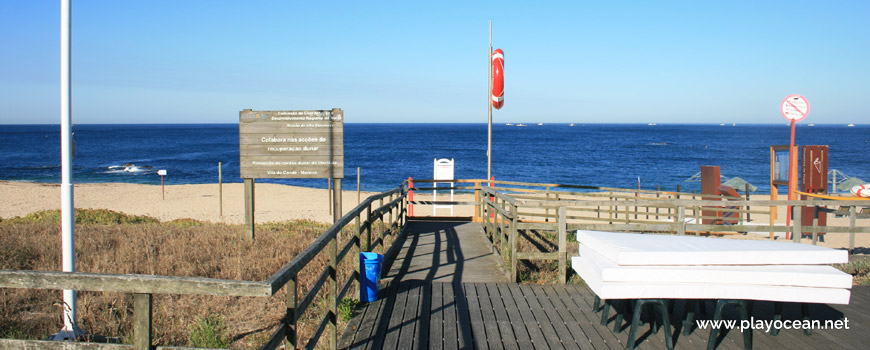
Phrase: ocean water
(611, 155)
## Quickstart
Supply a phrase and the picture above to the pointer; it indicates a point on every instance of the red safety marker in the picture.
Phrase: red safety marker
(498, 79)
(410, 196)
(793, 108)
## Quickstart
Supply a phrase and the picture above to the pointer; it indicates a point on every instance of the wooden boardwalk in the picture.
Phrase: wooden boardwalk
(445, 307)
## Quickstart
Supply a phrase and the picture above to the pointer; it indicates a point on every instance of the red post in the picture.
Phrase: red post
(162, 188)
(792, 177)
(410, 196)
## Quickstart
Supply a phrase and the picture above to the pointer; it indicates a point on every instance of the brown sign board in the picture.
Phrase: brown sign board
(291, 144)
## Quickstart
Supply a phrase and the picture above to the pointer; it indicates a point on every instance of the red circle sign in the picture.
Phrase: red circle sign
(795, 107)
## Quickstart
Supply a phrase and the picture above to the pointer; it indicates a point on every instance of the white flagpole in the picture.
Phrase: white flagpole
(66, 187)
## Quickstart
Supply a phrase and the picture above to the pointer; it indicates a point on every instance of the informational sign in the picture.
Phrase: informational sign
(443, 171)
(795, 107)
(291, 144)
(161, 172)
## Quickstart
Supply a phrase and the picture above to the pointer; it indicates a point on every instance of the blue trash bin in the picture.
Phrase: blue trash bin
(370, 275)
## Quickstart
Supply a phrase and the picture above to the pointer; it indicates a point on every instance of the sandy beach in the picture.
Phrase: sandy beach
(273, 203)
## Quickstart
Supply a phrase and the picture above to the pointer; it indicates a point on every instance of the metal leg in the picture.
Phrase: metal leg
(743, 307)
(743, 310)
(652, 318)
(596, 306)
(620, 312)
(805, 315)
(777, 315)
(635, 320)
(605, 312)
(666, 322)
(689, 322)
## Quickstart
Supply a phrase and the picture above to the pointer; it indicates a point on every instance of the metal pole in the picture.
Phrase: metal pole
(792, 172)
(489, 105)
(66, 195)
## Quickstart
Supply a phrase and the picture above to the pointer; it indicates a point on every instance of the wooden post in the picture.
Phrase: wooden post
(479, 211)
(220, 191)
(796, 223)
(681, 220)
(547, 209)
(815, 224)
(329, 194)
(356, 251)
(611, 207)
(853, 211)
(379, 233)
(512, 240)
(332, 287)
(369, 227)
(249, 208)
(142, 333)
(336, 200)
(291, 342)
(358, 198)
(658, 195)
(748, 208)
(563, 245)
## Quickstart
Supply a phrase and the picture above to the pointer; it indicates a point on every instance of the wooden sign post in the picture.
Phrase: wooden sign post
(290, 145)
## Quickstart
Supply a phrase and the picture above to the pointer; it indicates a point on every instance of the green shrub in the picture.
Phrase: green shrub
(346, 308)
(82, 216)
(209, 332)
(859, 269)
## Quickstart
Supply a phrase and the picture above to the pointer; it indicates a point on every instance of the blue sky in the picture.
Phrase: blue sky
(577, 61)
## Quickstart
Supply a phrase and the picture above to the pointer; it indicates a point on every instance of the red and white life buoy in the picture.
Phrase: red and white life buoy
(861, 190)
(498, 79)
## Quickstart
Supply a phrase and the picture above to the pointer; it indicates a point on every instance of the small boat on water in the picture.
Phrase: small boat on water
(651, 124)
(811, 124)
(723, 124)
(572, 124)
(521, 124)
(850, 125)
(539, 124)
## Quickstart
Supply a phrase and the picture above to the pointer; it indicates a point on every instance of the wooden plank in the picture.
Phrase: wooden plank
(524, 340)
(581, 339)
(584, 317)
(583, 300)
(457, 324)
(436, 318)
(539, 340)
(366, 330)
(547, 326)
(424, 310)
(478, 329)
(142, 331)
(411, 315)
(556, 320)
(508, 338)
(394, 327)
(148, 284)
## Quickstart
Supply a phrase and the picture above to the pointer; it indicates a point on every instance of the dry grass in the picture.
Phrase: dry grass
(178, 248)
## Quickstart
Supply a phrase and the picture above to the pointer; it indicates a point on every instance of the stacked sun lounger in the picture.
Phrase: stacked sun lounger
(650, 266)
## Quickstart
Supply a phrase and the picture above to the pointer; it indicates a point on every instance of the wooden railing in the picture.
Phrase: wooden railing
(392, 204)
(506, 215)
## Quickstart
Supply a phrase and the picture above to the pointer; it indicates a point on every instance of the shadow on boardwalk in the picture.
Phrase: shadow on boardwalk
(449, 293)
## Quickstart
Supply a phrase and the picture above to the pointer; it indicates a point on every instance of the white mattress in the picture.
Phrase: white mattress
(650, 249)
(647, 290)
(778, 275)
